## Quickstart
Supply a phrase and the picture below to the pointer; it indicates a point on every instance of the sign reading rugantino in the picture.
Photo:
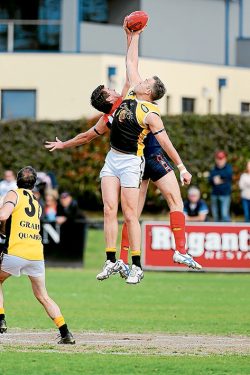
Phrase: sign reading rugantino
(216, 246)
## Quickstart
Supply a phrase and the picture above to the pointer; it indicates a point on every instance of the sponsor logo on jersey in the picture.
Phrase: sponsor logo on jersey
(144, 108)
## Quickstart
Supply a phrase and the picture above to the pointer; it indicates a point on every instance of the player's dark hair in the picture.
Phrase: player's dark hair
(158, 89)
(26, 178)
(98, 100)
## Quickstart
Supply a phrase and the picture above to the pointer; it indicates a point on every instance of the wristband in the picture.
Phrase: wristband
(180, 165)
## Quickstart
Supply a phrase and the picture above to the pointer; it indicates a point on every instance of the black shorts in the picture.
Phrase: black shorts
(156, 166)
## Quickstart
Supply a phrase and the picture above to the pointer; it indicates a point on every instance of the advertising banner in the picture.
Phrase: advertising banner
(216, 246)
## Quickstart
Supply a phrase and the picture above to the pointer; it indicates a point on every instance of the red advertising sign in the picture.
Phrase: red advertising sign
(216, 246)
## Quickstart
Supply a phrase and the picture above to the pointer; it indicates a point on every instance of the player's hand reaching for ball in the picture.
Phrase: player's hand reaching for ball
(131, 32)
(52, 146)
(125, 27)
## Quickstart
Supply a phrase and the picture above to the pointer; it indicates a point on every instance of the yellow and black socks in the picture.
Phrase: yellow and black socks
(110, 254)
(136, 257)
(2, 314)
(61, 325)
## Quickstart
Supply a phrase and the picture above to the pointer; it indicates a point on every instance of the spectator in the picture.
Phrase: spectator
(50, 208)
(47, 183)
(72, 229)
(8, 183)
(68, 209)
(221, 181)
(37, 194)
(244, 185)
(195, 208)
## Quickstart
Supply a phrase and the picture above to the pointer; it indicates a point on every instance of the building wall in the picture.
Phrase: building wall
(64, 82)
(184, 30)
(246, 17)
(191, 30)
(103, 37)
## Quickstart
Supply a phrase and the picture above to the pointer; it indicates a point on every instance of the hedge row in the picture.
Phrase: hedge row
(195, 137)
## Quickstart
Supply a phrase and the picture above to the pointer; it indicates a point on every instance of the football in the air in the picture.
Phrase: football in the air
(137, 20)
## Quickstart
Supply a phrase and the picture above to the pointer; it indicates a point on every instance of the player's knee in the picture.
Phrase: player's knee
(109, 209)
(129, 215)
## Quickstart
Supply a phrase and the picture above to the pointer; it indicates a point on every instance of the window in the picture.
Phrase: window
(168, 104)
(30, 10)
(188, 105)
(107, 11)
(3, 38)
(94, 10)
(18, 104)
(36, 38)
(31, 25)
(245, 108)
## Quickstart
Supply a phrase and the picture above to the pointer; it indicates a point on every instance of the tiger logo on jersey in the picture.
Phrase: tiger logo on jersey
(124, 113)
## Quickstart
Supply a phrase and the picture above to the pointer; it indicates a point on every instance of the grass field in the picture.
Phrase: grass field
(171, 303)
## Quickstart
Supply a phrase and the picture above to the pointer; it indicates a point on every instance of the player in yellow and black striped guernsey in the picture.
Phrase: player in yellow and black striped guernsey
(23, 249)
(129, 128)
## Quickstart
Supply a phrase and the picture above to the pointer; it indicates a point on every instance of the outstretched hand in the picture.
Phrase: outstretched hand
(52, 146)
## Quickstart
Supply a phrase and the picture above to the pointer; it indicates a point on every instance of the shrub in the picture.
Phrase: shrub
(195, 137)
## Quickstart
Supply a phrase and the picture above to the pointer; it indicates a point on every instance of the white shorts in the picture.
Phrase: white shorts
(17, 266)
(128, 168)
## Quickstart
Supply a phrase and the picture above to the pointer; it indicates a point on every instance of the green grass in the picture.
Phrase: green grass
(164, 302)
(75, 364)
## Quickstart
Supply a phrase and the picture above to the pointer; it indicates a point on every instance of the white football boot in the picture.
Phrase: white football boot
(109, 269)
(187, 260)
(123, 269)
(135, 275)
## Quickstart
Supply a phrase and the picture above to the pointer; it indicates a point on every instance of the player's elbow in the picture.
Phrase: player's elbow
(4, 216)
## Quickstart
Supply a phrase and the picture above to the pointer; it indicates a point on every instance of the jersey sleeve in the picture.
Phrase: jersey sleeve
(144, 109)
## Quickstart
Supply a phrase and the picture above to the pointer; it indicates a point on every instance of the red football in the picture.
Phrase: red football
(137, 20)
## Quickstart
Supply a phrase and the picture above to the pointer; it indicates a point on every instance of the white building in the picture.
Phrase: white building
(53, 53)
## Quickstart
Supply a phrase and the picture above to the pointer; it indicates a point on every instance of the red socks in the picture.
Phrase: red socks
(124, 244)
(177, 224)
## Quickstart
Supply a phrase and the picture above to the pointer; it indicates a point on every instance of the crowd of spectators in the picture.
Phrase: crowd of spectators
(63, 208)
(56, 208)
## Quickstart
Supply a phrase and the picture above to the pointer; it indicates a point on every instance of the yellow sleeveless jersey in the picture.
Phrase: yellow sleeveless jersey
(128, 128)
(23, 237)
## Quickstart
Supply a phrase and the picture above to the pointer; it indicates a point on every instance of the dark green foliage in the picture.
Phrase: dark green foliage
(195, 137)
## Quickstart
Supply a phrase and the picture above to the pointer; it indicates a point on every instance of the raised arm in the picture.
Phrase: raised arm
(157, 128)
(98, 129)
(128, 38)
(132, 56)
